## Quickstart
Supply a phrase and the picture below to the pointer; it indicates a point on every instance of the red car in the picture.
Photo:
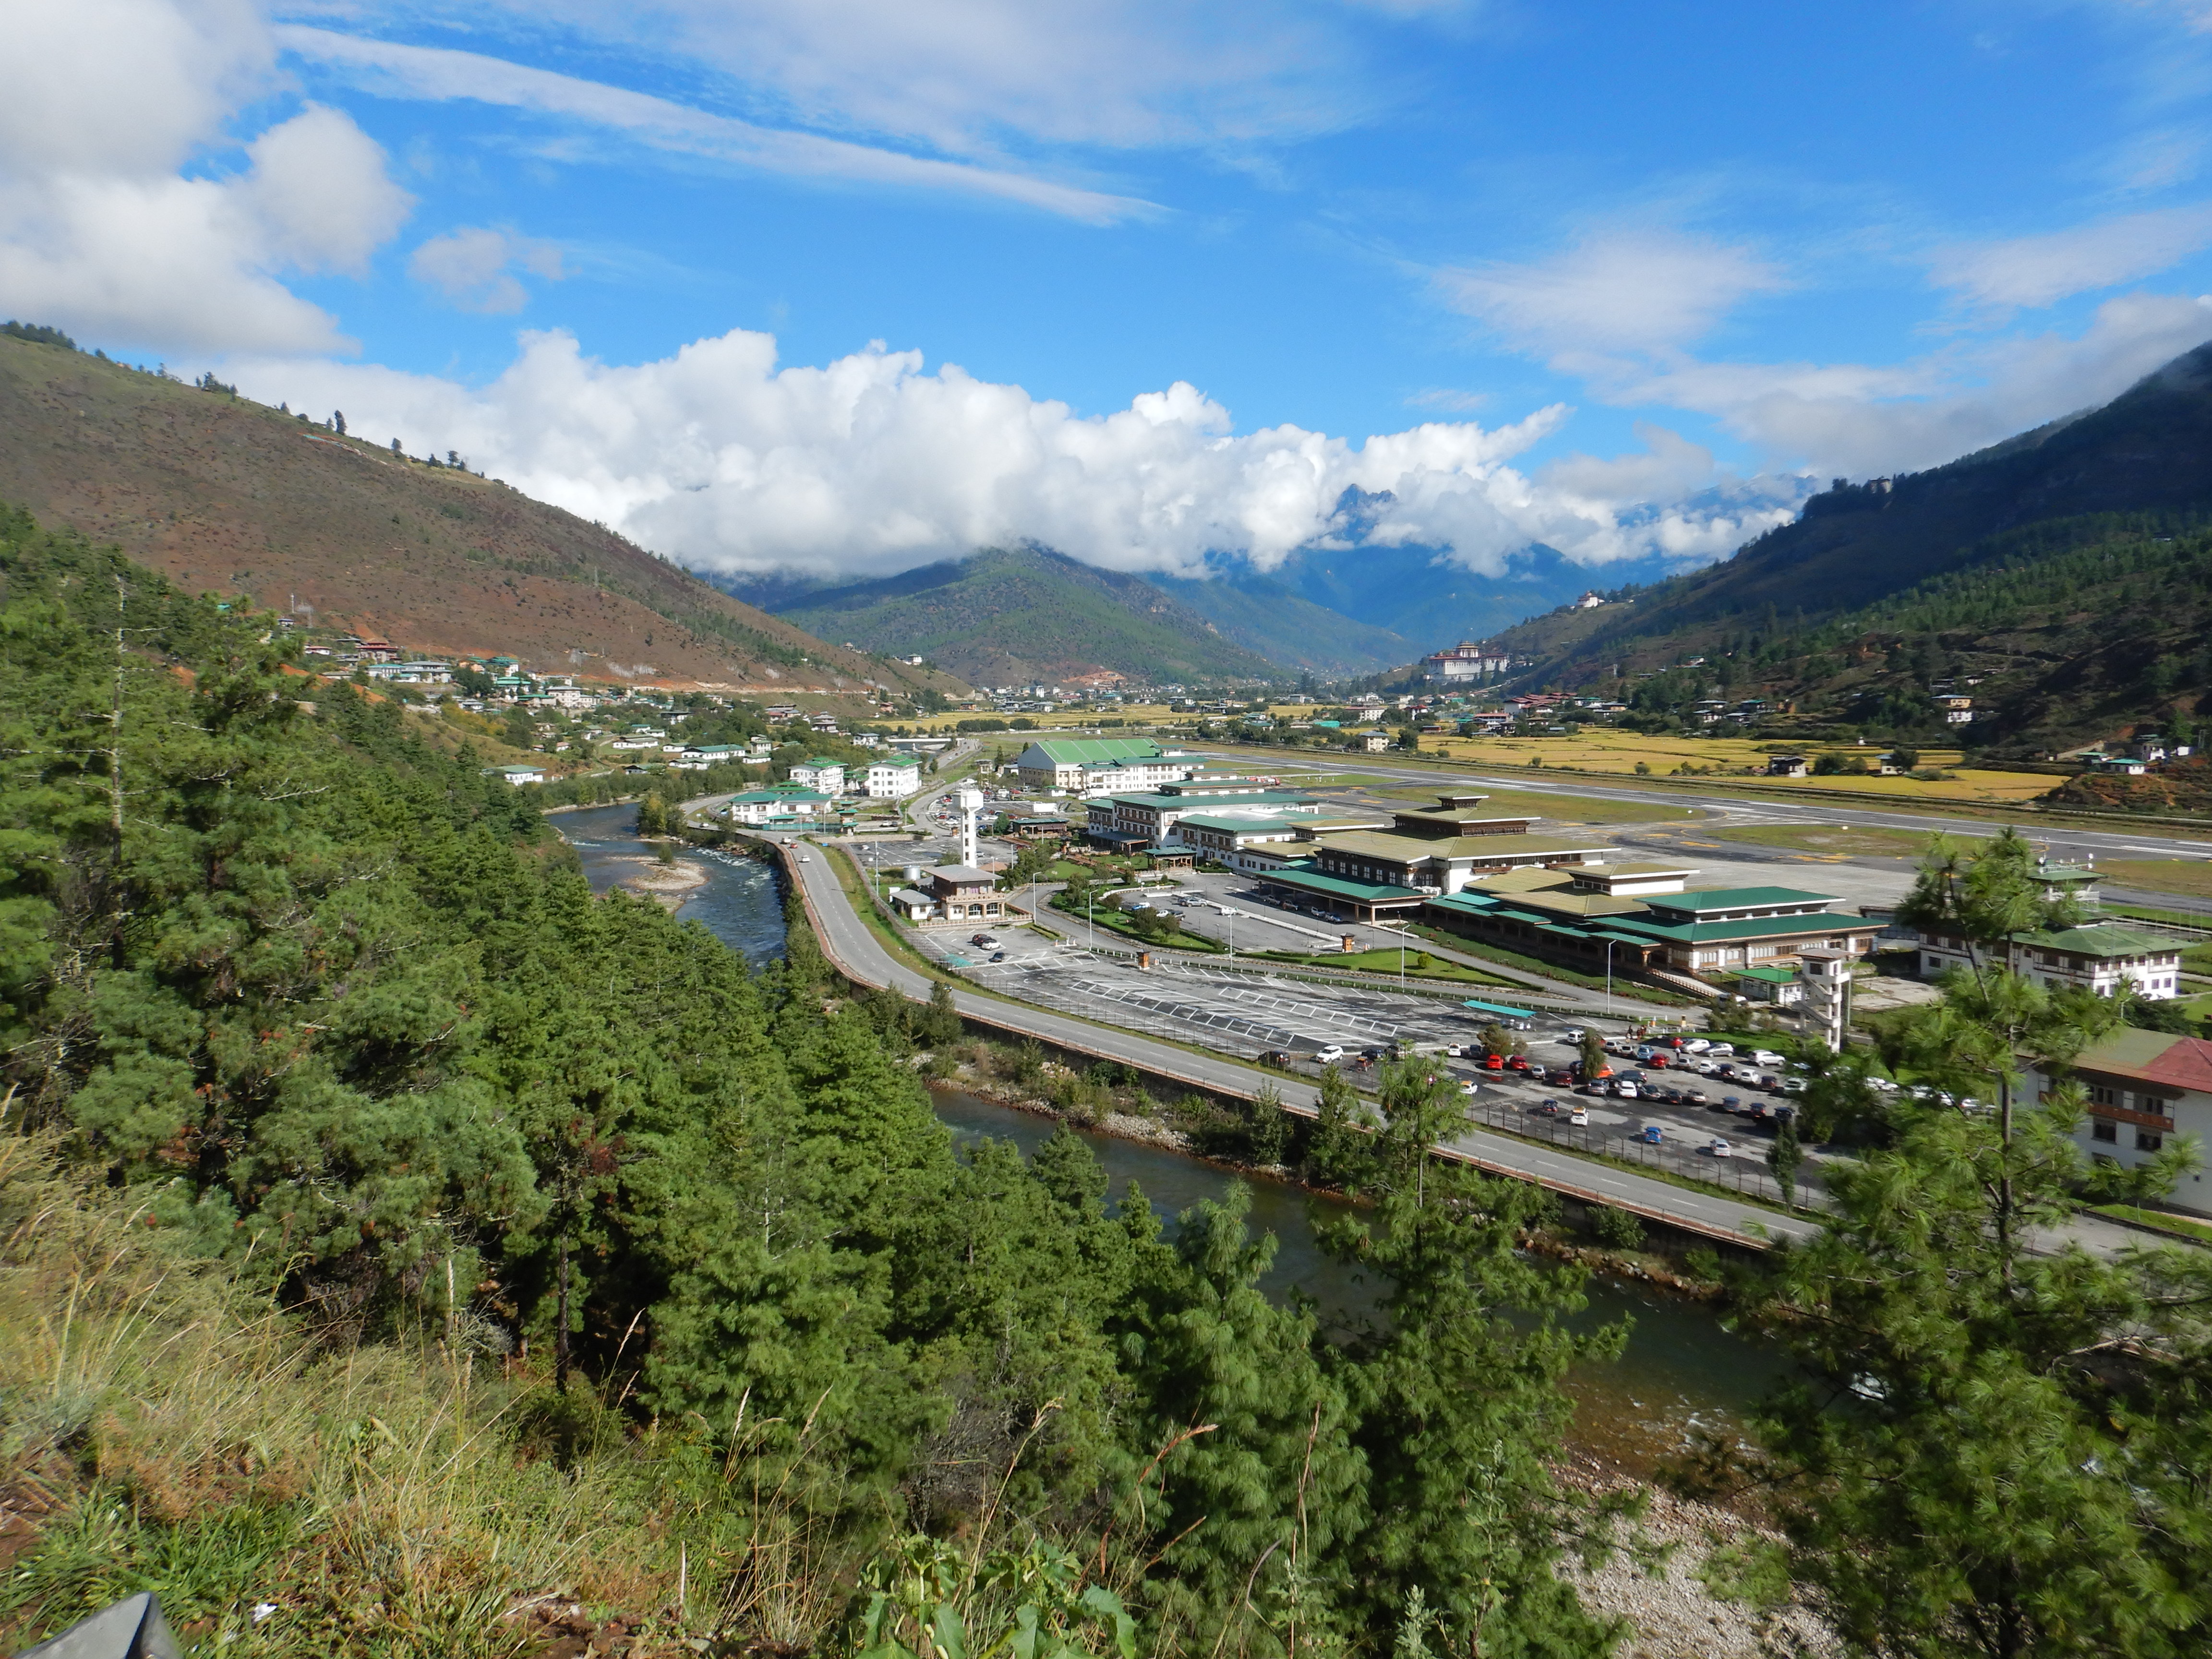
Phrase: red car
(1494, 1062)
(1517, 1063)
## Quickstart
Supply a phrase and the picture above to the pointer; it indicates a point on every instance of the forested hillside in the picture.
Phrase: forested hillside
(1016, 615)
(221, 495)
(2059, 579)
(451, 1257)
(2149, 451)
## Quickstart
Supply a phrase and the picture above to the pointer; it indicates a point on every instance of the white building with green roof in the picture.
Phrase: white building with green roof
(819, 772)
(1099, 765)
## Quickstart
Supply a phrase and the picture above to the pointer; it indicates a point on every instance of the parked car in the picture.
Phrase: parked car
(1720, 1050)
(1732, 1104)
(1625, 1090)
(1766, 1057)
(1330, 1052)
(1660, 1060)
(1644, 1051)
(1721, 1148)
(1695, 1045)
(1547, 1109)
(1516, 1063)
(1573, 1034)
(1710, 1068)
(1468, 1086)
(1791, 1086)
(998, 956)
(1579, 1116)
(1696, 1097)
(983, 939)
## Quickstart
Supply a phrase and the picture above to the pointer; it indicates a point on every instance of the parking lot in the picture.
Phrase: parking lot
(1247, 1011)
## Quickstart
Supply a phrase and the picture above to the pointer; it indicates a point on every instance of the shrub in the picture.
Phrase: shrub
(1616, 1229)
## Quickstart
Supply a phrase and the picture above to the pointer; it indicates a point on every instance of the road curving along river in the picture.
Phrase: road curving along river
(1682, 1371)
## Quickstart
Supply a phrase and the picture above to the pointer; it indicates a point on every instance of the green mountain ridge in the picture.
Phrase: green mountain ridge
(1016, 615)
(2063, 578)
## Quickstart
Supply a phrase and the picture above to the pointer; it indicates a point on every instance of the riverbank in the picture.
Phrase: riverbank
(668, 885)
(1671, 1601)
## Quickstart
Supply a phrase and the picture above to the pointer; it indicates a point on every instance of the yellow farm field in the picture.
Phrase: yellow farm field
(1621, 751)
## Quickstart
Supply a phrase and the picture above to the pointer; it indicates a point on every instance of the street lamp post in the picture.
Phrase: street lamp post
(1609, 979)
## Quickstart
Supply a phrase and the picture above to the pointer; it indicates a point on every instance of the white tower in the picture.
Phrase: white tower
(1827, 1006)
(970, 800)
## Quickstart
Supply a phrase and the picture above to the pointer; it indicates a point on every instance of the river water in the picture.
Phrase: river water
(1682, 1371)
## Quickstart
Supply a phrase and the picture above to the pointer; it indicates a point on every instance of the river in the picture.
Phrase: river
(1682, 1369)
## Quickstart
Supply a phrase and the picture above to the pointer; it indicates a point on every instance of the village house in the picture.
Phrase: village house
(518, 775)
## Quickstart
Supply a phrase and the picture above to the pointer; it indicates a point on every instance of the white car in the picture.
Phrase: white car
(1721, 1148)
(1696, 1045)
(1720, 1050)
(1767, 1057)
(1572, 1036)
(1579, 1117)
(1468, 1086)
(1330, 1052)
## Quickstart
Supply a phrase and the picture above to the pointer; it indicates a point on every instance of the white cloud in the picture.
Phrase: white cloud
(103, 233)
(2034, 272)
(719, 458)
(1856, 420)
(439, 73)
(470, 265)
(1622, 290)
(971, 77)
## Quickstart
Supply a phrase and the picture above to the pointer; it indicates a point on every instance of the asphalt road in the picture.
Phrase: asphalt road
(849, 943)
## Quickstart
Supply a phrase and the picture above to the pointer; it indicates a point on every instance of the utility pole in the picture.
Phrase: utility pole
(1609, 979)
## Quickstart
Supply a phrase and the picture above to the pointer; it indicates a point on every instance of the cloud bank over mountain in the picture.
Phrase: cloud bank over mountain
(719, 457)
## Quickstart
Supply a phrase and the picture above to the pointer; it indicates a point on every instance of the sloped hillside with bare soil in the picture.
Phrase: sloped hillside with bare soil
(221, 494)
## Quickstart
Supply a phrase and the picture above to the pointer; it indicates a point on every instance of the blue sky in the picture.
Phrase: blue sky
(1616, 278)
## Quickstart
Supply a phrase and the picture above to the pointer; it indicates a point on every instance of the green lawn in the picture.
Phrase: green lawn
(2180, 1225)
(2193, 877)
(1115, 922)
(1831, 838)
(1385, 961)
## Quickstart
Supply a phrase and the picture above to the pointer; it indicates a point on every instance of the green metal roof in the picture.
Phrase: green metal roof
(1235, 825)
(784, 797)
(1704, 899)
(2102, 940)
(1772, 976)
(1089, 751)
(1334, 887)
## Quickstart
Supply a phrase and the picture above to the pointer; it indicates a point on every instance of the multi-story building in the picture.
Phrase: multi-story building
(779, 803)
(1100, 765)
(893, 780)
(2103, 954)
(827, 776)
(1465, 661)
(1136, 823)
(1643, 917)
(2140, 1089)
